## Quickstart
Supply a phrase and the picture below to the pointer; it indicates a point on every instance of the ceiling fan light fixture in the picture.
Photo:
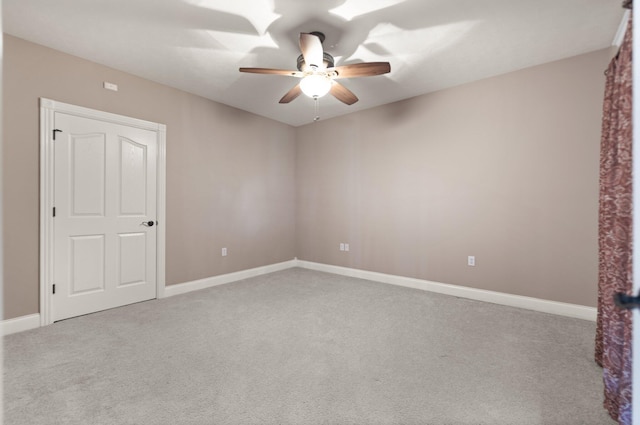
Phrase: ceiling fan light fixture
(315, 85)
(318, 72)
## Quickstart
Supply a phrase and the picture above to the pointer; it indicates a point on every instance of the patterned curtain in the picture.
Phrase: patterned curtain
(613, 336)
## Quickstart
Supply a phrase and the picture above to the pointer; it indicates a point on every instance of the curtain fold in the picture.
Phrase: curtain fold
(615, 237)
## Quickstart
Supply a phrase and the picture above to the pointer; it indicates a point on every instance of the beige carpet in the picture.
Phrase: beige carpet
(304, 347)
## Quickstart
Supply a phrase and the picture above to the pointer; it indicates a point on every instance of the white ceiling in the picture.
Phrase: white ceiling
(198, 45)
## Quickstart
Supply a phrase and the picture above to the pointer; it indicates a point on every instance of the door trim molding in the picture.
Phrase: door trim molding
(48, 108)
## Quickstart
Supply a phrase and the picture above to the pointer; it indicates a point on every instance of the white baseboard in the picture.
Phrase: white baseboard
(529, 303)
(32, 321)
(182, 288)
(20, 324)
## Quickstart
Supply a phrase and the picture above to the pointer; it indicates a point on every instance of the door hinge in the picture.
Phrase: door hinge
(54, 133)
(54, 288)
(54, 211)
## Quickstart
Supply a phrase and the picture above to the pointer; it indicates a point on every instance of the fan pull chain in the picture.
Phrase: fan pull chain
(316, 108)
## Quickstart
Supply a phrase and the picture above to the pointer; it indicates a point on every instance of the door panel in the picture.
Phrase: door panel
(87, 264)
(132, 259)
(87, 166)
(105, 189)
(133, 178)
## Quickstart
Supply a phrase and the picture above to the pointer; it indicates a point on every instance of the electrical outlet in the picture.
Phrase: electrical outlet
(471, 261)
(341, 247)
(224, 252)
(346, 247)
(110, 86)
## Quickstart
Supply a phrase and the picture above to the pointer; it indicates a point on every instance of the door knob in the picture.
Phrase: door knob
(149, 223)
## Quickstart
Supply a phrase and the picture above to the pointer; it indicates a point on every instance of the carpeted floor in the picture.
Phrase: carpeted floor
(304, 347)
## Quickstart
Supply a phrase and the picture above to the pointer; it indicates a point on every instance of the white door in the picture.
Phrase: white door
(104, 240)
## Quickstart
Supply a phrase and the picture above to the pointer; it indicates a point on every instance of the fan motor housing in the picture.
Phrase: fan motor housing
(327, 59)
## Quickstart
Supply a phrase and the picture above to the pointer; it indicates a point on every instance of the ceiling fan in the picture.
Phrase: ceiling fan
(318, 72)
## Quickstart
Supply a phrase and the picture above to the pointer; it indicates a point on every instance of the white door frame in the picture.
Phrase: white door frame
(48, 108)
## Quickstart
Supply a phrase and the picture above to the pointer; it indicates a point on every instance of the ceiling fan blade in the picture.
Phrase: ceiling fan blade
(311, 48)
(291, 94)
(365, 69)
(343, 94)
(272, 71)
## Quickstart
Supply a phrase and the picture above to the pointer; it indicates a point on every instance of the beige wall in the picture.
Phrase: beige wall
(230, 174)
(505, 169)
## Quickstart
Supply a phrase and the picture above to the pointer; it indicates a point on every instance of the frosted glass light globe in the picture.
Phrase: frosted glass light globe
(315, 85)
